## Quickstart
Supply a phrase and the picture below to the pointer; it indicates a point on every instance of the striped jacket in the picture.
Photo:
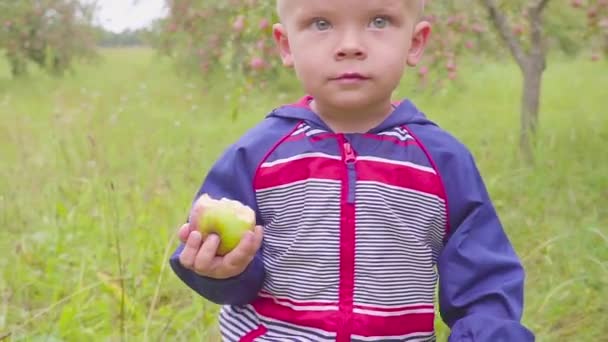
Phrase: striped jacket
(359, 230)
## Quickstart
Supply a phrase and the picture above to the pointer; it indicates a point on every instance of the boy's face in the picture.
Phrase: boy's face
(350, 53)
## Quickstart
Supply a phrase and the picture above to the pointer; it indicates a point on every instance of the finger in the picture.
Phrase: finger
(184, 232)
(206, 254)
(188, 254)
(258, 237)
(243, 253)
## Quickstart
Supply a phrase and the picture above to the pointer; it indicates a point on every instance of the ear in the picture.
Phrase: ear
(280, 38)
(420, 38)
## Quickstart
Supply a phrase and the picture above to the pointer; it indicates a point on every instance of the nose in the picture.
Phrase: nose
(350, 46)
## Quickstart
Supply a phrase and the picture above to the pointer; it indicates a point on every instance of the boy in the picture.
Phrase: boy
(363, 203)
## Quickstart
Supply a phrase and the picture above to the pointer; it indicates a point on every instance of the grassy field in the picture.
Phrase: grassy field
(98, 170)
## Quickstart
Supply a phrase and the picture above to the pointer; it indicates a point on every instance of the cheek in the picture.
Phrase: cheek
(393, 62)
(306, 62)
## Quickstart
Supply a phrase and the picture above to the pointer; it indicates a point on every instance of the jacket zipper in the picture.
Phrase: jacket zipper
(349, 160)
(347, 242)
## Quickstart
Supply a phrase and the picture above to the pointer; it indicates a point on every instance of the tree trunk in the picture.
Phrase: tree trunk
(531, 63)
(533, 67)
(530, 104)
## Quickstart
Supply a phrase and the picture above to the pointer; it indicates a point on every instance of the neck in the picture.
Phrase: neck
(352, 120)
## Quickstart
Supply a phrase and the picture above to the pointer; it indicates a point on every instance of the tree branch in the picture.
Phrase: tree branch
(540, 5)
(501, 24)
(536, 30)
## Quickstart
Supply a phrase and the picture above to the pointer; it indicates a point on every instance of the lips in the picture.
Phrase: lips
(351, 76)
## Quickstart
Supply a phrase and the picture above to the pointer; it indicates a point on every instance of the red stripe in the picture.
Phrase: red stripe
(366, 325)
(252, 335)
(296, 137)
(400, 175)
(325, 320)
(357, 324)
(347, 256)
(441, 183)
(297, 170)
(257, 170)
(322, 136)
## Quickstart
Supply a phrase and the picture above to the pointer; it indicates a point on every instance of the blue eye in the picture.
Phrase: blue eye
(380, 22)
(322, 24)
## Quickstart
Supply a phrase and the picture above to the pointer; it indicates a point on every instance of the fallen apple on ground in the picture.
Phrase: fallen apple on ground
(228, 219)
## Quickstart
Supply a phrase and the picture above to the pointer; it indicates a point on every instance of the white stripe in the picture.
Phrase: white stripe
(398, 188)
(393, 313)
(301, 306)
(403, 307)
(400, 136)
(411, 337)
(396, 162)
(298, 302)
(275, 330)
(315, 131)
(300, 130)
(401, 130)
(301, 156)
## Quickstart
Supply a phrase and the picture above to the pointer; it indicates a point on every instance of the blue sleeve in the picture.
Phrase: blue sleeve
(229, 177)
(481, 279)
(232, 177)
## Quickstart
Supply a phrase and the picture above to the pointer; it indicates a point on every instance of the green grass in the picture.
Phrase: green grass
(98, 170)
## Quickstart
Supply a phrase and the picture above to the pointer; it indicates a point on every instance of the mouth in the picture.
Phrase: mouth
(350, 76)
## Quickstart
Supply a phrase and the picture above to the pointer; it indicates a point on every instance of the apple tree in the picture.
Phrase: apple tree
(527, 29)
(50, 33)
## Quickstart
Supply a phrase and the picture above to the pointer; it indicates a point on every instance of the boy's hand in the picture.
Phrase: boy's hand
(200, 256)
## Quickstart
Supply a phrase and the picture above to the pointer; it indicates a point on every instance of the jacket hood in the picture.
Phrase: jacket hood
(404, 113)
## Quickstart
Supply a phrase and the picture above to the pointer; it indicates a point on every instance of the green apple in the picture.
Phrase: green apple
(228, 219)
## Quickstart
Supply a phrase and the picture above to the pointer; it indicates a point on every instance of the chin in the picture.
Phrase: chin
(354, 100)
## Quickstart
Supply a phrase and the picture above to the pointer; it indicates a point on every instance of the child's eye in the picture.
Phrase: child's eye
(322, 24)
(380, 22)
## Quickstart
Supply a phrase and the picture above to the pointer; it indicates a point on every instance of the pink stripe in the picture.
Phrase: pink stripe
(402, 176)
(357, 324)
(322, 136)
(366, 325)
(252, 335)
(298, 170)
(324, 320)
(272, 150)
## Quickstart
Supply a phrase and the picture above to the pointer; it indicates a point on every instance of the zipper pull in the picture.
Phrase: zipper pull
(349, 154)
